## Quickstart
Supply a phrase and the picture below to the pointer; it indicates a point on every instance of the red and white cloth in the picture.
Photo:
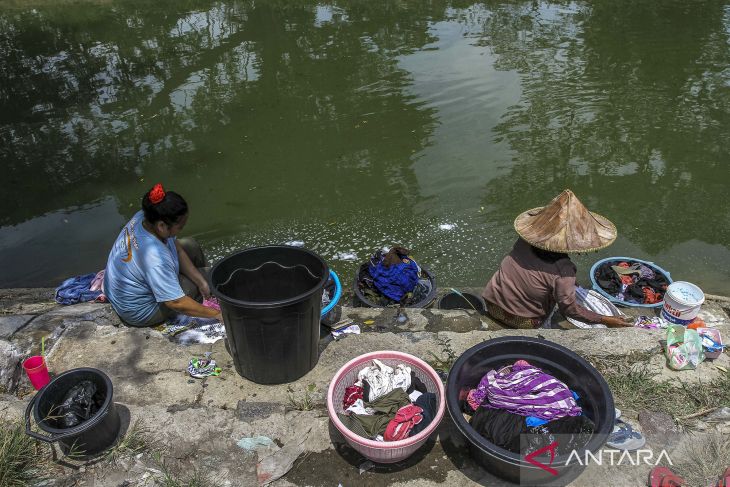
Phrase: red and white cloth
(405, 419)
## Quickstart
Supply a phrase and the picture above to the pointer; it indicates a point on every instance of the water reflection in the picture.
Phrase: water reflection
(58, 241)
(121, 91)
(250, 109)
(627, 104)
(350, 124)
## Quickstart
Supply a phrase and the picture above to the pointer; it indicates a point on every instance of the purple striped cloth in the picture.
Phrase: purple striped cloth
(527, 391)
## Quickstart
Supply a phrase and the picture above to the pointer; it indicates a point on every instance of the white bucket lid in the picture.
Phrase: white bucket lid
(686, 293)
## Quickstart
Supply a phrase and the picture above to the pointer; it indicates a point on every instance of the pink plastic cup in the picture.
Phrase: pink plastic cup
(37, 371)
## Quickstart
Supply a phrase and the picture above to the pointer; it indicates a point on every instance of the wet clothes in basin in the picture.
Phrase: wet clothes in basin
(632, 282)
(394, 273)
(522, 408)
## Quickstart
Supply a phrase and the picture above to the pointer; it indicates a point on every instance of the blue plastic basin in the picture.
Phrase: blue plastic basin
(617, 301)
(335, 297)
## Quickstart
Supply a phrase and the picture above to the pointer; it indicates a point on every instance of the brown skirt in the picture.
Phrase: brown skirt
(510, 320)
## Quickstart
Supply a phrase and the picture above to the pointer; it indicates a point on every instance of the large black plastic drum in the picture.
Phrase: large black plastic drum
(271, 299)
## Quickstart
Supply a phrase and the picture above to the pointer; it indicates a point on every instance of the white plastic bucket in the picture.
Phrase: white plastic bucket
(682, 302)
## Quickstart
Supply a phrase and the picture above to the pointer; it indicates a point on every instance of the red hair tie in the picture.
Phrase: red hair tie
(157, 194)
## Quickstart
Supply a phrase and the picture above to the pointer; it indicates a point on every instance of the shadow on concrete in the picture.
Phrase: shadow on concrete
(445, 451)
(356, 459)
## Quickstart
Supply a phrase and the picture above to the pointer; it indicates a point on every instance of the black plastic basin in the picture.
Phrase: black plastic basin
(363, 271)
(554, 359)
(454, 300)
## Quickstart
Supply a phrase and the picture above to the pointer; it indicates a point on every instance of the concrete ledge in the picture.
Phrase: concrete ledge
(199, 422)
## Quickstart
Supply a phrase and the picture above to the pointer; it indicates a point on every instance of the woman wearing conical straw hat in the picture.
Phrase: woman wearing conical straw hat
(538, 274)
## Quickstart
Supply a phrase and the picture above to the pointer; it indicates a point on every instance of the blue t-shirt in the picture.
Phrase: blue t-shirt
(141, 272)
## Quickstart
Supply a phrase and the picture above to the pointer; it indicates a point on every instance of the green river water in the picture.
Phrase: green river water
(352, 125)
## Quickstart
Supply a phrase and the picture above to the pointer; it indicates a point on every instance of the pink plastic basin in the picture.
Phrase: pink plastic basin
(384, 451)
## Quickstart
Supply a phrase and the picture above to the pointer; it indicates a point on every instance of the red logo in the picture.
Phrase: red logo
(551, 448)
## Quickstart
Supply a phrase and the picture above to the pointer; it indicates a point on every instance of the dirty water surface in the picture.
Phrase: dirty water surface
(348, 126)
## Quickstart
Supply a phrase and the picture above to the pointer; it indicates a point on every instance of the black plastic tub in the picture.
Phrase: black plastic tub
(454, 300)
(425, 302)
(86, 439)
(554, 359)
(271, 299)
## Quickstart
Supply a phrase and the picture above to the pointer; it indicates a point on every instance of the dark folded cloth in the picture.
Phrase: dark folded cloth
(504, 429)
(571, 433)
(499, 427)
(416, 385)
(429, 404)
(610, 281)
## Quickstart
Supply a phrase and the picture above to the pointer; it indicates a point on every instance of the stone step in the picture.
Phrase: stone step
(204, 419)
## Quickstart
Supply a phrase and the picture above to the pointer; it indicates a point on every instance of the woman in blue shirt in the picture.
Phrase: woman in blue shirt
(150, 274)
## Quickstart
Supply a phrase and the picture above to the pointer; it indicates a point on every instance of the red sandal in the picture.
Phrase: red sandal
(663, 477)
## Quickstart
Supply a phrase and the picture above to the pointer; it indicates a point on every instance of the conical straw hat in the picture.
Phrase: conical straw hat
(565, 225)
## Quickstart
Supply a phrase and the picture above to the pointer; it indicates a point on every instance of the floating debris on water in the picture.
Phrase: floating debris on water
(433, 242)
(346, 256)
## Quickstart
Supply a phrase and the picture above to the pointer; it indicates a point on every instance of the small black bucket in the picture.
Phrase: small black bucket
(455, 300)
(86, 439)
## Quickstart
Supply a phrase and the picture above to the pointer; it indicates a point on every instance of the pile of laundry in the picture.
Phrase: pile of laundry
(597, 303)
(632, 282)
(387, 403)
(521, 401)
(201, 368)
(393, 277)
(81, 289)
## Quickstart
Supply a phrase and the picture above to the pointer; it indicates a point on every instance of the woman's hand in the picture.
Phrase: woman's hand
(617, 321)
(204, 289)
(188, 306)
